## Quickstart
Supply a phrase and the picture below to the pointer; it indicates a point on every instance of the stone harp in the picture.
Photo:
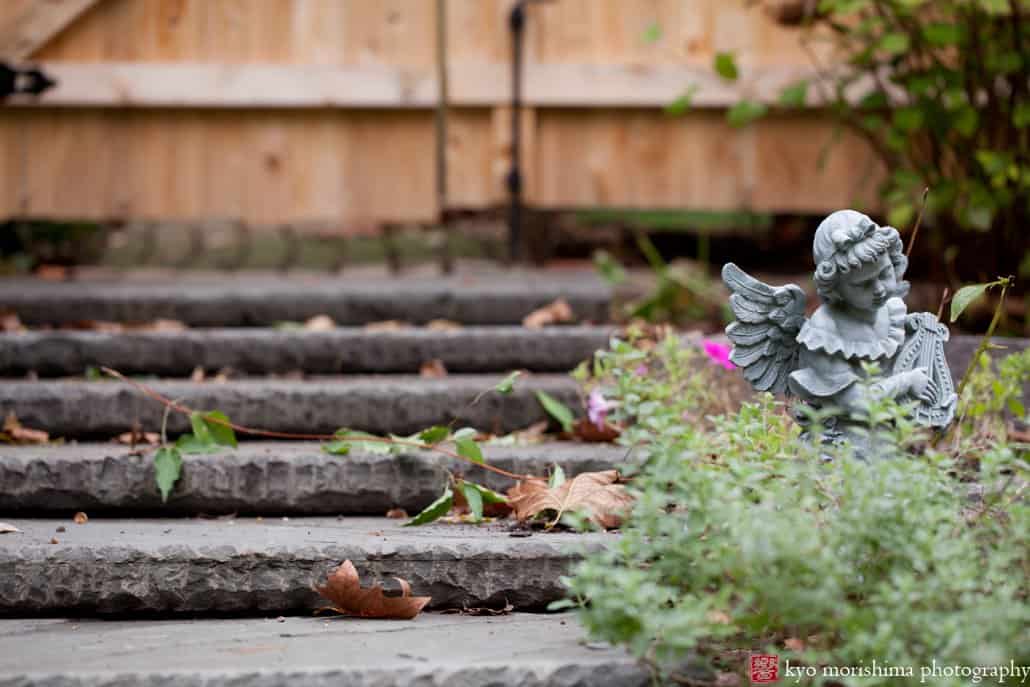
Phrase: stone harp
(924, 347)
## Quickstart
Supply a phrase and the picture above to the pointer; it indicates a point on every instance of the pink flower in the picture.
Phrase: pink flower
(718, 353)
(597, 408)
(641, 370)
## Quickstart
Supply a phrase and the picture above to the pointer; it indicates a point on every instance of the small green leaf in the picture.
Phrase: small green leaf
(465, 433)
(1021, 115)
(337, 448)
(894, 43)
(684, 102)
(745, 112)
(794, 95)
(348, 440)
(557, 478)
(434, 435)
(474, 499)
(488, 495)
(908, 119)
(189, 443)
(901, 215)
(941, 34)
(200, 428)
(653, 33)
(726, 66)
(561, 604)
(435, 510)
(469, 449)
(964, 296)
(965, 121)
(167, 469)
(506, 385)
(609, 268)
(221, 433)
(556, 409)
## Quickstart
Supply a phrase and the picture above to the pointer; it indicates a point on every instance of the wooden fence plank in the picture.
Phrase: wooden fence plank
(36, 24)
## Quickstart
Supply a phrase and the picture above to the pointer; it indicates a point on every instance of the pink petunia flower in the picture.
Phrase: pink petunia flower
(597, 409)
(640, 370)
(718, 353)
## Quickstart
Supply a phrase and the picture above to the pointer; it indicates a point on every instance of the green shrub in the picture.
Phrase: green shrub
(745, 538)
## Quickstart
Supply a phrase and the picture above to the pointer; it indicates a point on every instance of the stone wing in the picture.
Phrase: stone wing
(764, 335)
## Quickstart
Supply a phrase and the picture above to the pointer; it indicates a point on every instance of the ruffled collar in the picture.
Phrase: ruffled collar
(862, 340)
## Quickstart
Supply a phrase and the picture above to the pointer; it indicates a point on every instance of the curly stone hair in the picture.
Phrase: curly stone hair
(847, 240)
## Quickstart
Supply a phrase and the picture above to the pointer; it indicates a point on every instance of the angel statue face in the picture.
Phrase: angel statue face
(859, 265)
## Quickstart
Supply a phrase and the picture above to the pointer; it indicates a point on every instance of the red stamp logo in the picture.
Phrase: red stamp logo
(764, 668)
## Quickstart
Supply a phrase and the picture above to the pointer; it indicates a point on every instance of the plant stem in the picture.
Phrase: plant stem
(919, 222)
(987, 337)
(179, 408)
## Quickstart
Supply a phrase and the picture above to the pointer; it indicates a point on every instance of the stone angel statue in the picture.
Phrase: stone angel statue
(862, 319)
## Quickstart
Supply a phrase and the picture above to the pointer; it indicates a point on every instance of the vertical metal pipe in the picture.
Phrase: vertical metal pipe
(446, 260)
(516, 23)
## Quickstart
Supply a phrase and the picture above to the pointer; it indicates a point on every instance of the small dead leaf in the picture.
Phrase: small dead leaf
(553, 313)
(397, 514)
(343, 589)
(9, 322)
(51, 272)
(718, 617)
(158, 325)
(587, 431)
(386, 326)
(794, 644)
(433, 369)
(80, 518)
(8, 528)
(134, 438)
(320, 323)
(595, 493)
(23, 435)
(465, 610)
(60, 528)
(443, 325)
(197, 375)
(53, 540)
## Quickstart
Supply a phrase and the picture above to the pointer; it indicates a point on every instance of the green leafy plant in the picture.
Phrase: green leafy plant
(744, 538)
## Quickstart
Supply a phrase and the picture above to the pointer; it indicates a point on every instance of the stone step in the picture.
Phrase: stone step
(433, 650)
(379, 404)
(259, 566)
(263, 351)
(263, 478)
(495, 297)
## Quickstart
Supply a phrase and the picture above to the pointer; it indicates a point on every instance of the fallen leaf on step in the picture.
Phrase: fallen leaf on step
(553, 313)
(23, 435)
(136, 437)
(433, 369)
(8, 528)
(465, 610)
(9, 322)
(443, 325)
(198, 374)
(587, 431)
(80, 518)
(343, 589)
(397, 514)
(320, 323)
(596, 494)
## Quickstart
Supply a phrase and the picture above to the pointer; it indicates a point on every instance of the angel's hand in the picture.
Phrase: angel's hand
(919, 383)
(930, 393)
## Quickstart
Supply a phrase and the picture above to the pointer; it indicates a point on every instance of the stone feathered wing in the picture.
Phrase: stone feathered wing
(765, 334)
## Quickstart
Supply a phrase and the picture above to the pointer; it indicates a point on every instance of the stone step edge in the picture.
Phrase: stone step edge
(256, 566)
(341, 350)
(386, 404)
(432, 650)
(283, 478)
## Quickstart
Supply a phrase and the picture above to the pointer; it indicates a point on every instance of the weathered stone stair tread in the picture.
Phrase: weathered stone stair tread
(343, 350)
(493, 298)
(433, 650)
(247, 565)
(400, 404)
(263, 478)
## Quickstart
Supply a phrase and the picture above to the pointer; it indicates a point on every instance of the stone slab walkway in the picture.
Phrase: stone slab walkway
(258, 565)
(263, 478)
(337, 351)
(432, 650)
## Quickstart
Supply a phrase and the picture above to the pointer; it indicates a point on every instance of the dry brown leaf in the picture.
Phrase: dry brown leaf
(53, 540)
(343, 589)
(8, 528)
(320, 323)
(23, 435)
(397, 514)
(794, 644)
(476, 610)
(433, 369)
(198, 374)
(134, 438)
(52, 272)
(158, 325)
(80, 518)
(9, 322)
(594, 493)
(587, 431)
(718, 617)
(443, 325)
(553, 313)
(386, 326)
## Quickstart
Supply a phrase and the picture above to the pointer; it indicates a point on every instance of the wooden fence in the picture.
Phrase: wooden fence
(322, 111)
